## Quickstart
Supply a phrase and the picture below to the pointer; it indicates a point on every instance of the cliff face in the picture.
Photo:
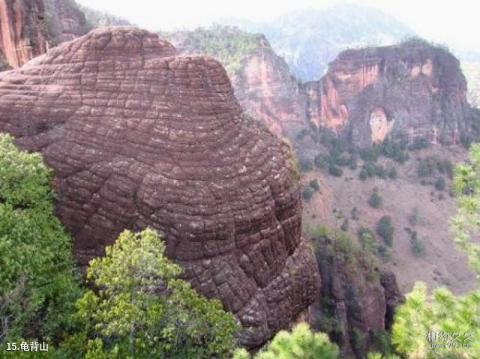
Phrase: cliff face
(412, 90)
(138, 136)
(29, 27)
(261, 79)
(266, 89)
(408, 91)
(21, 30)
(65, 21)
(357, 300)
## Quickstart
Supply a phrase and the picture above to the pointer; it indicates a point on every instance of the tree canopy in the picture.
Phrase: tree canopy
(140, 309)
(301, 343)
(38, 284)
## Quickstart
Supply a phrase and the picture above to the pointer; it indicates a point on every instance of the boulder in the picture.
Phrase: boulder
(140, 137)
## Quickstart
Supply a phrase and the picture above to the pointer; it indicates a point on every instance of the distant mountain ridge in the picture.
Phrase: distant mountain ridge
(310, 39)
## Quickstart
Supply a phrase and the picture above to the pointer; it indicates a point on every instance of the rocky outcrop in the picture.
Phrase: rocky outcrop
(138, 136)
(357, 300)
(409, 91)
(22, 35)
(267, 90)
(66, 21)
(29, 27)
(261, 79)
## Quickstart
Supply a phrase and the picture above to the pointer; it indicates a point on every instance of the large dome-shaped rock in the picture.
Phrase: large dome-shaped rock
(138, 136)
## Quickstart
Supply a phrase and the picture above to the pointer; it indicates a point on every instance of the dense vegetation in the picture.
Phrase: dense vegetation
(140, 308)
(228, 45)
(301, 343)
(38, 284)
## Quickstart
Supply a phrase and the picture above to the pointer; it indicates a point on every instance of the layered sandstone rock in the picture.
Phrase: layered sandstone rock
(138, 136)
(22, 34)
(29, 27)
(357, 299)
(261, 79)
(409, 91)
(267, 90)
(65, 21)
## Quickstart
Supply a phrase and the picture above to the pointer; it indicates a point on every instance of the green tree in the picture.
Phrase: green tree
(443, 326)
(301, 343)
(392, 174)
(466, 223)
(314, 184)
(385, 230)
(38, 285)
(308, 193)
(375, 200)
(140, 309)
(440, 184)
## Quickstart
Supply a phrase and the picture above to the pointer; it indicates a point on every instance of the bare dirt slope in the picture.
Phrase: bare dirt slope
(441, 263)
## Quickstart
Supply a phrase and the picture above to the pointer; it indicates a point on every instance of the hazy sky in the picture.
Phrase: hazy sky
(455, 23)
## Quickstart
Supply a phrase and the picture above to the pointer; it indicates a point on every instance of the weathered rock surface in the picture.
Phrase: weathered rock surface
(357, 300)
(29, 27)
(21, 30)
(138, 136)
(65, 21)
(265, 88)
(261, 79)
(412, 90)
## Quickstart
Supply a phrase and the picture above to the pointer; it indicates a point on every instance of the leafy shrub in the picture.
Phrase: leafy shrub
(321, 161)
(335, 171)
(307, 193)
(394, 150)
(419, 144)
(448, 322)
(140, 308)
(314, 184)
(369, 154)
(301, 343)
(426, 167)
(384, 253)
(375, 200)
(367, 240)
(416, 245)
(440, 184)
(38, 285)
(306, 165)
(354, 214)
(363, 175)
(392, 174)
(385, 230)
(414, 217)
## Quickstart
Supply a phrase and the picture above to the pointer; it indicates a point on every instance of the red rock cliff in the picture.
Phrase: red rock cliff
(21, 30)
(412, 90)
(138, 136)
(29, 27)
(267, 90)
